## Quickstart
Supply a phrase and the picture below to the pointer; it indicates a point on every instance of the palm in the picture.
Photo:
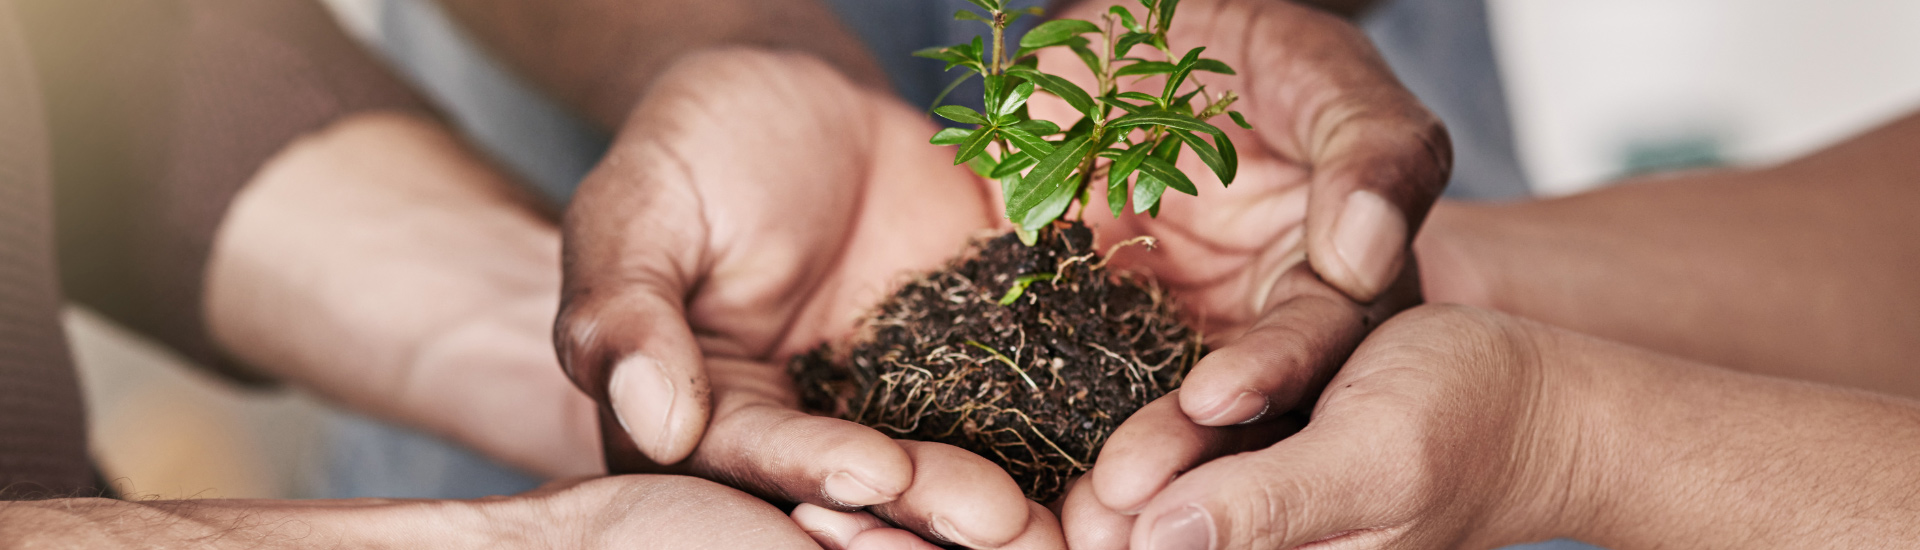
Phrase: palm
(755, 207)
(1309, 83)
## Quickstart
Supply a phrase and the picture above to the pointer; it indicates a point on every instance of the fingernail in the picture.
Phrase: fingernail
(1367, 237)
(1246, 407)
(642, 396)
(843, 488)
(1188, 528)
(944, 529)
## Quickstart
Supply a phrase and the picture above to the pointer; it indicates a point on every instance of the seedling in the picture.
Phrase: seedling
(1029, 350)
(1131, 137)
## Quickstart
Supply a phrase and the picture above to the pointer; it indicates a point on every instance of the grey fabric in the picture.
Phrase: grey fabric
(43, 445)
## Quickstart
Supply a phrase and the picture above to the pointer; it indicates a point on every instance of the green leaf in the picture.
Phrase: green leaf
(1223, 161)
(994, 88)
(1028, 238)
(1019, 288)
(1126, 18)
(1013, 165)
(1145, 68)
(1213, 66)
(1015, 100)
(1150, 100)
(1056, 32)
(969, 15)
(982, 165)
(1146, 192)
(974, 145)
(1129, 40)
(1038, 127)
(1239, 119)
(1057, 86)
(1180, 72)
(948, 90)
(1051, 208)
(1123, 166)
(1028, 143)
(1047, 177)
(1164, 118)
(961, 114)
(952, 136)
(1165, 171)
(1129, 107)
(1165, 9)
(1087, 57)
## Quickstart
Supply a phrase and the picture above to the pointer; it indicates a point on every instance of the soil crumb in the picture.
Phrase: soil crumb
(1035, 385)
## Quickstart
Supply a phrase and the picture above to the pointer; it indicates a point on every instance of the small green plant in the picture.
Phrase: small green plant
(1043, 167)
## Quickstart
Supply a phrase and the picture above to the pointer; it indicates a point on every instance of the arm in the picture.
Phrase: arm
(653, 511)
(383, 264)
(1802, 270)
(1453, 427)
(600, 56)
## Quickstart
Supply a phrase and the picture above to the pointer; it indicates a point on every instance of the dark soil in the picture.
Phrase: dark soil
(1091, 346)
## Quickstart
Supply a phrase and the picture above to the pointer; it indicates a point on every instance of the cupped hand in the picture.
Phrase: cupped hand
(1292, 265)
(755, 205)
(1450, 427)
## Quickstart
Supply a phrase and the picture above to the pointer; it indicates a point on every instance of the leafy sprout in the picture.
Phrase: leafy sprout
(1043, 167)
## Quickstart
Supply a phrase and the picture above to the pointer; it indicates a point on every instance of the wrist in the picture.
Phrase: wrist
(1451, 250)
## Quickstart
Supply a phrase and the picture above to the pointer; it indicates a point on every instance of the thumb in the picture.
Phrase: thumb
(634, 354)
(1376, 173)
(630, 258)
(1328, 481)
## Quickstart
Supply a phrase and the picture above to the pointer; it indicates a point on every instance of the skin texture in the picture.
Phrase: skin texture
(1260, 261)
(1794, 271)
(1454, 427)
(698, 258)
(383, 264)
(619, 512)
(1802, 270)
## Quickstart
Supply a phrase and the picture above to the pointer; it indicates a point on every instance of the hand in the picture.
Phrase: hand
(1450, 427)
(383, 264)
(756, 205)
(1308, 250)
(615, 512)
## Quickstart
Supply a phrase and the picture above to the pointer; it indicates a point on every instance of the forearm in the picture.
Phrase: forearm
(1803, 270)
(1676, 454)
(381, 263)
(601, 55)
(106, 523)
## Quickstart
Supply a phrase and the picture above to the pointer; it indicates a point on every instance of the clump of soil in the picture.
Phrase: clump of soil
(1036, 385)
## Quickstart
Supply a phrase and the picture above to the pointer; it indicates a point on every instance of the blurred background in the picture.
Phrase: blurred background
(1583, 92)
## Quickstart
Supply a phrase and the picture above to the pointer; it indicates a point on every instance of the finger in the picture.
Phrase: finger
(631, 243)
(1335, 478)
(958, 497)
(1379, 158)
(761, 443)
(833, 529)
(1305, 331)
(890, 539)
(651, 511)
(1159, 442)
(1042, 531)
(634, 354)
(1375, 177)
(1090, 525)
